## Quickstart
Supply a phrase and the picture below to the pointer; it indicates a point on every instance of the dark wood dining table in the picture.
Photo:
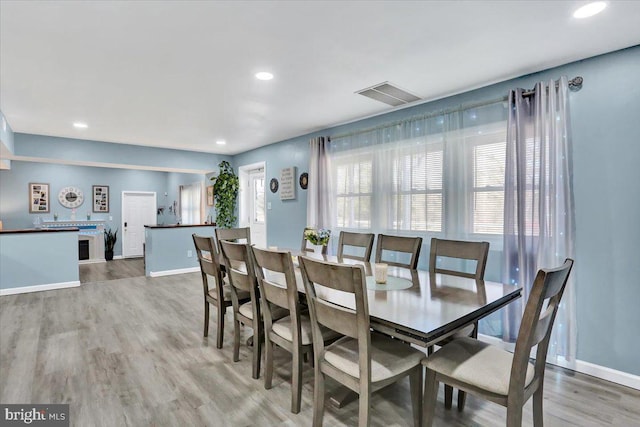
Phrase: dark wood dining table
(429, 309)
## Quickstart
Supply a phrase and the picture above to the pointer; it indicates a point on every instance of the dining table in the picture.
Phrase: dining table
(415, 306)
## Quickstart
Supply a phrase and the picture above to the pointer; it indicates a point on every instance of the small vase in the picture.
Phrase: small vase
(317, 249)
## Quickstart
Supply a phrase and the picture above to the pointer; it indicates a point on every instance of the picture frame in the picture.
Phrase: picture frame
(100, 199)
(210, 195)
(39, 197)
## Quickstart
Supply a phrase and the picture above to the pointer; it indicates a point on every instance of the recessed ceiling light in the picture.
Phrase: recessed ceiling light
(80, 125)
(590, 9)
(221, 142)
(263, 75)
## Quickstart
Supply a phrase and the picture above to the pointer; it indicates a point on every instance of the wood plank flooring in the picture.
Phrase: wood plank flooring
(112, 270)
(130, 352)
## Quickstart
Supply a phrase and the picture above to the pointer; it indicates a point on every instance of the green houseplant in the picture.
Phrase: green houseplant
(110, 239)
(225, 193)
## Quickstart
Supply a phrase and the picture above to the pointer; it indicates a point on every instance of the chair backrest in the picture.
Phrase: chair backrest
(233, 234)
(537, 323)
(410, 245)
(360, 240)
(279, 294)
(477, 251)
(304, 247)
(209, 262)
(240, 271)
(352, 323)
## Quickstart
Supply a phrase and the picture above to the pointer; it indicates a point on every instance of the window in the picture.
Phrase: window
(432, 176)
(190, 203)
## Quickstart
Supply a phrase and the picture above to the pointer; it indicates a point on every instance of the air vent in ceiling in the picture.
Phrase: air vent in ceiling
(389, 94)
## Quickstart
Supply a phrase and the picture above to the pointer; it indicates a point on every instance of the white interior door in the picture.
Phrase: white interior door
(253, 212)
(138, 210)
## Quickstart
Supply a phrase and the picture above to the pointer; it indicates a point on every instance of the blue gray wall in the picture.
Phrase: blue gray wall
(606, 132)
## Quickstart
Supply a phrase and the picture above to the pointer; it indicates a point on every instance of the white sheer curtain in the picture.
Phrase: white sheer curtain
(539, 223)
(191, 203)
(433, 175)
(319, 202)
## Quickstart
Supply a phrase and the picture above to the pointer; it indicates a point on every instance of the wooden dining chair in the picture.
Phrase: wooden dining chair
(460, 250)
(357, 240)
(241, 277)
(218, 295)
(409, 245)
(304, 246)
(235, 234)
(363, 361)
(293, 332)
(495, 374)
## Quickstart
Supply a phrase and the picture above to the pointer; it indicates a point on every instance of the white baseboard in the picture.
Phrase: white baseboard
(92, 261)
(619, 377)
(118, 257)
(38, 288)
(172, 272)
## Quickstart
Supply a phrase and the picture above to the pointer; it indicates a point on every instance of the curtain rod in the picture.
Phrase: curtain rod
(575, 84)
(422, 116)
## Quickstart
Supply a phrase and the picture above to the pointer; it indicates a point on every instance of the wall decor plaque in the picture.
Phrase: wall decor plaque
(287, 183)
(101, 198)
(304, 180)
(273, 185)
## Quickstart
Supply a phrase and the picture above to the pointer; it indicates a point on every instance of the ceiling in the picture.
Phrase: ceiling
(181, 74)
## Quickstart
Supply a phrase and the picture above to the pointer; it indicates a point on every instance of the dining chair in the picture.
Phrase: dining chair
(304, 247)
(460, 250)
(362, 360)
(492, 373)
(241, 277)
(409, 245)
(357, 240)
(218, 295)
(293, 332)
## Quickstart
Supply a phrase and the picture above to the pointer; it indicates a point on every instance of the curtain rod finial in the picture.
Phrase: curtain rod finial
(576, 83)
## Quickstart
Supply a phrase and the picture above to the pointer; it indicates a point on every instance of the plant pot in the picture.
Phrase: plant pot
(108, 255)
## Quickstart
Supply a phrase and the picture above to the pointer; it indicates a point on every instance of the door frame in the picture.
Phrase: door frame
(155, 207)
(243, 175)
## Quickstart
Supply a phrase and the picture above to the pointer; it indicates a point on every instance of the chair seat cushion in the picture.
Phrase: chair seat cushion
(226, 293)
(246, 310)
(283, 328)
(476, 363)
(388, 357)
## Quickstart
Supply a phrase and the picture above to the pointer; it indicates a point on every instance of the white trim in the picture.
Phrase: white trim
(92, 261)
(619, 377)
(172, 272)
(118, 257)
(38, 288)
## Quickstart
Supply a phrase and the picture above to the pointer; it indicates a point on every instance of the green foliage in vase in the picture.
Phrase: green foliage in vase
(225, 193)
(110, 239)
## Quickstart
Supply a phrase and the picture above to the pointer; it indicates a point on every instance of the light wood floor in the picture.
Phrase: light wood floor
(131, 352)
(112, 270)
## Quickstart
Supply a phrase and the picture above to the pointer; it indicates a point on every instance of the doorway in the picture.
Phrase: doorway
(253, 208)
(138, 210)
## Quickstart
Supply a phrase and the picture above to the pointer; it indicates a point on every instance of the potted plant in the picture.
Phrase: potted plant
(225, 193)
(110, 239)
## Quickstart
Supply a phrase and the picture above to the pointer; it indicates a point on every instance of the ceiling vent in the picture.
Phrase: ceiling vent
(389, 94)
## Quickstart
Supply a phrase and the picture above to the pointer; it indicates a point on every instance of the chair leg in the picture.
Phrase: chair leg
(296, 381)
(538, 419)
(415, 385)
(257, 351)
(514, 415)
(364, 407)
(462, 398)
(429, 399)
(448, 396)
(206, 318)
(236, 338)
(268, 363)
(220, 336)
(318, 398)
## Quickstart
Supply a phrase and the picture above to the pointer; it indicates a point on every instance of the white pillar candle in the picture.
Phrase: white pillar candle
(380, 273)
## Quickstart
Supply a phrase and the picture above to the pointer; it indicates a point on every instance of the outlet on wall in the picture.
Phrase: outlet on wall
(189, 254)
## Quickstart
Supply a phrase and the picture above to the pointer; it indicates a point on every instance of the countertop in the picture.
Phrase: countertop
(39, 230)
(179, 225)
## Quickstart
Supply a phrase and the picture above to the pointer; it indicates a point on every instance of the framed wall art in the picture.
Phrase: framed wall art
(210, 195)
(38, 197)
(100, 198)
